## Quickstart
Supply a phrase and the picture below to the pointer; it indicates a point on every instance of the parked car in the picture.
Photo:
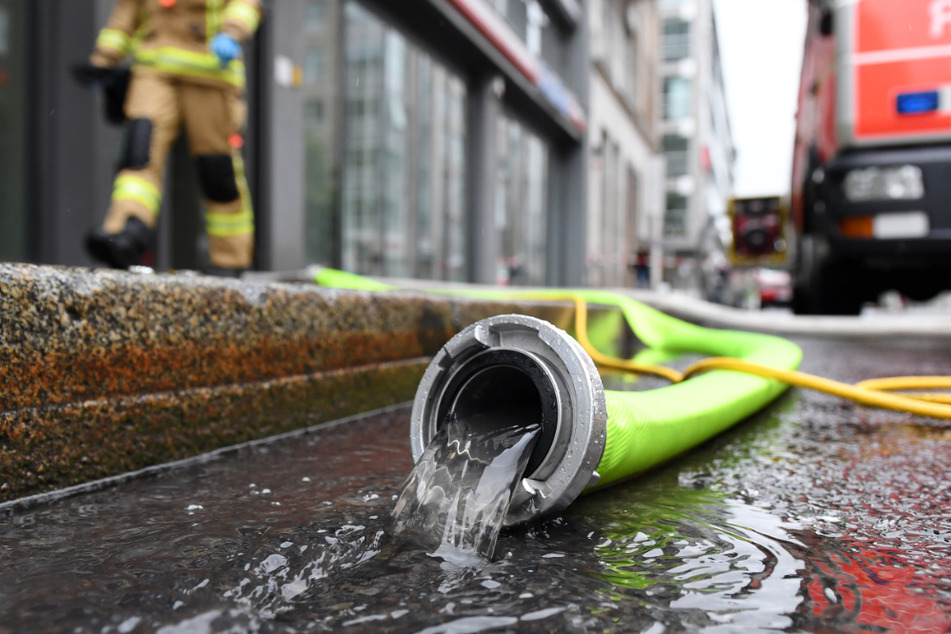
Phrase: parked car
(774, 286)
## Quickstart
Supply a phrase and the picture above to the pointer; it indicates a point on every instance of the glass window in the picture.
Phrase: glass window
(675, 216)
(321, 137)
(521, 181)
(315, 14)
(13, 123)
(537, 22)
(675, 151)
(676, 41)
(678, 94)
(399, 210)
(633, 191)
(313, 66)
(314, 112)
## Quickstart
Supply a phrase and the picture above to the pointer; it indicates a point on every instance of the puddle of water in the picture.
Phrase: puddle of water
(454, 502)
(815, 515)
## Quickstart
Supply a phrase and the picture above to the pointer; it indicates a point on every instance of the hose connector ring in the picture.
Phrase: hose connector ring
(524, 370)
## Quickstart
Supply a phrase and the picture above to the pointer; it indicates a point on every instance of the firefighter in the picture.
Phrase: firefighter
(186, 72)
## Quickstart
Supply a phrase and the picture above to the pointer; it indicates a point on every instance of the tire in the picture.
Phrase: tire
(839, 290)
(822, 287)
(922, 290)
(804, 301)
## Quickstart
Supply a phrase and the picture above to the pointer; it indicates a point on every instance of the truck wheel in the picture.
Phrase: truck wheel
(839, 290)
(804, 300)
(923, 290)
(825, 288)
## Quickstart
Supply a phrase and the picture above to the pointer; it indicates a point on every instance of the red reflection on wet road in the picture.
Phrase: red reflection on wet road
(877, 589)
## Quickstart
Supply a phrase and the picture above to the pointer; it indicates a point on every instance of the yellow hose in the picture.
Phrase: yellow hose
(865, 396)
(581, 334)
(907, 383)
(872, 392)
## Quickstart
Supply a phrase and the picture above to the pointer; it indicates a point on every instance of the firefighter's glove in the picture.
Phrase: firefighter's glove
(225, 47)
(93, 76)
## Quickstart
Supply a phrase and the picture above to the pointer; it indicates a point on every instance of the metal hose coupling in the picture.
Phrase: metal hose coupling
(520, 369)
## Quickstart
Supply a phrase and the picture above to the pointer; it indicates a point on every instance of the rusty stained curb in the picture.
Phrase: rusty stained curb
(106, 372)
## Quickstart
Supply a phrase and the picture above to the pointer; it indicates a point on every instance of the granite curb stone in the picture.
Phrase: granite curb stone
(106, 372)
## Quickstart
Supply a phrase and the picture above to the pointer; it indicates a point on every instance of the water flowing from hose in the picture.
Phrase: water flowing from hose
(455, 500)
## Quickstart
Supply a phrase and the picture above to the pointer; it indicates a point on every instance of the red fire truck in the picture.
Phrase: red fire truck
(871, 176)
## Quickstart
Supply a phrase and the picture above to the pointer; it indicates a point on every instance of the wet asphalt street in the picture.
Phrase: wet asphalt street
(815, 514)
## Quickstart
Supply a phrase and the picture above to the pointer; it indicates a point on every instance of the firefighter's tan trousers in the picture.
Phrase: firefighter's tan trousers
(213, 117)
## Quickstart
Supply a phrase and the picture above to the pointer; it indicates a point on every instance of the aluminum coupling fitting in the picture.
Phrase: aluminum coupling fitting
(522, 367)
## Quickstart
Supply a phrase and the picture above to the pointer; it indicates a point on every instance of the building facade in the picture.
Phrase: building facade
(438, 139)
(625, 182)
(696, 141)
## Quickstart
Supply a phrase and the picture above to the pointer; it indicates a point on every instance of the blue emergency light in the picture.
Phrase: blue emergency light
(917, 102)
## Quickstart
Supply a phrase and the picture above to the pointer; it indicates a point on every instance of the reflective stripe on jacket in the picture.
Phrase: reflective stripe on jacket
(172, 36)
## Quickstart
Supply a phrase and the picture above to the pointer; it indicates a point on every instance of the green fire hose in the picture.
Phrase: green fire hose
(592, 436)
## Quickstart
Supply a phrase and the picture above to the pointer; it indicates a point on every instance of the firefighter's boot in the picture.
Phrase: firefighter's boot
(124, 249)
(223, 271)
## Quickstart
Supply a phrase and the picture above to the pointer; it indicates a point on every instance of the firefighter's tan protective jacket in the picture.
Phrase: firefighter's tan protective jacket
(172, 36)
